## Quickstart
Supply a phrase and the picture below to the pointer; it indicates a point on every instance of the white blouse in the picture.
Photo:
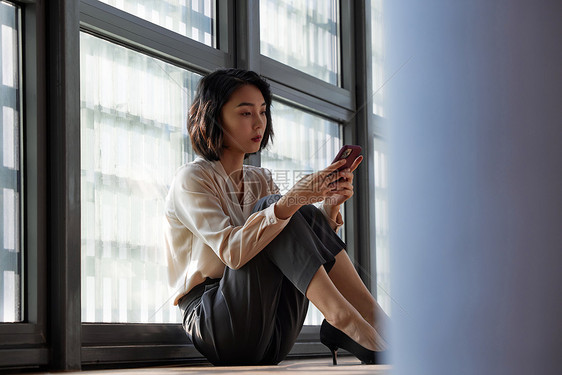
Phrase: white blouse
(206, 228)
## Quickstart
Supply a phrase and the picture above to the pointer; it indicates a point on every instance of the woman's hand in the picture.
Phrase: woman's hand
(342, 189)
(310, 189)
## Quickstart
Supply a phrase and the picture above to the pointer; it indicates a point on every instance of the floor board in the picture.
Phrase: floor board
(317, 366)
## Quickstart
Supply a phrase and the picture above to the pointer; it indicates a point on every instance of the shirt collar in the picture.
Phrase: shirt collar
(218, 168)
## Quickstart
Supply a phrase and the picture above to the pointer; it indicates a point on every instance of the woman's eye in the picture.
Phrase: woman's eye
(263, 113)
(246, 113)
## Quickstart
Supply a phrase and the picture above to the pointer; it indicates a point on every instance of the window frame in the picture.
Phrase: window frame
(26, 342)
(343, 95)
(153, 343)
(53, 334)
(143, 36)
(376, 127)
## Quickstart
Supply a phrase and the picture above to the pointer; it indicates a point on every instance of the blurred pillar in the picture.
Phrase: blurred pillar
(476, 182)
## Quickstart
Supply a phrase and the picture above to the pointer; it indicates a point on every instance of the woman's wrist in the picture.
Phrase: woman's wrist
(286, 206)
(332, 210)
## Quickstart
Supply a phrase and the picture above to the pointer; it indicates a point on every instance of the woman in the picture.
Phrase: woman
(244, 260)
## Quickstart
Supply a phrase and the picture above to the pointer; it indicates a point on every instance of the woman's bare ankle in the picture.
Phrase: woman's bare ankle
(358, 329)
(340, 318)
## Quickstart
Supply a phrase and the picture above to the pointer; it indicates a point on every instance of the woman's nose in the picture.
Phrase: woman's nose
(260, 121)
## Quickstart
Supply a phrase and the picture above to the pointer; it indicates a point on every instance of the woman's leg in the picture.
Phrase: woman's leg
(249, 318)
(349, 284)
(319, 287)
(340, 313)
(345, 277)
(256, 312)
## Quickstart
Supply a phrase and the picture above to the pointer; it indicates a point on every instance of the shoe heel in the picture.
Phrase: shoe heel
(333, 338)
(334, 356)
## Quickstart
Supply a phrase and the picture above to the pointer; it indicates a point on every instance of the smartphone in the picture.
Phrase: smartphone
(349, 153)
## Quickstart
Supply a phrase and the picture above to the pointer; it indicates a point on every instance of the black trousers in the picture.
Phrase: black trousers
(253, 315)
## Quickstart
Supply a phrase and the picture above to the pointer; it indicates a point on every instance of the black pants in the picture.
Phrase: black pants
(253, 315)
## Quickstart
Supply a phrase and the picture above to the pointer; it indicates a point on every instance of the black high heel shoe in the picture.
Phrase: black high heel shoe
(333, 338)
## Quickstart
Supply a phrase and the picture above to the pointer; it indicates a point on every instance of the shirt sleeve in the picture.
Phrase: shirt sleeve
(198, 207)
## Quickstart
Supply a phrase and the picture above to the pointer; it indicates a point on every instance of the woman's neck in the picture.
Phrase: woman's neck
(232, 164)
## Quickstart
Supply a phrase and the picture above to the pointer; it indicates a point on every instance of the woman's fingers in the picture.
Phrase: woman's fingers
(329, 182)
(333, 177)
(356, 163)
(341, 185)
(333, 167)
(340, 177)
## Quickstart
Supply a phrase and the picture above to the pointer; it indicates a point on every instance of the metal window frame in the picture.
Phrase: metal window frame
(63, 139)
(310, 86)
(375, 127)
(25, 344)
(133, 32)
(53, 334)
(361, 234)
(117, 344)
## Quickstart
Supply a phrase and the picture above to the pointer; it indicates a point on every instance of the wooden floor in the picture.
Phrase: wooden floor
(318, 366)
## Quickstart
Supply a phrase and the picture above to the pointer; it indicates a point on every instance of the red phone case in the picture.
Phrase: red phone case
(349, 153)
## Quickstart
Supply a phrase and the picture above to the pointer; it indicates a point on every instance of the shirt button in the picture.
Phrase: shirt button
(271, 221)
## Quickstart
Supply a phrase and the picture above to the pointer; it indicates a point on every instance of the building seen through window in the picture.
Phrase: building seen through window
(133, 111)
(11, 283)
(380, 246)
(304, 35)
(195, 19)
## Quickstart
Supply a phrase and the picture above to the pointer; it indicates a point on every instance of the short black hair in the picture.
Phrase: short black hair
(204, 120)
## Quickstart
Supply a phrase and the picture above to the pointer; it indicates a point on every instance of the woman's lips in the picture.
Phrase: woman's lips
(257, 139)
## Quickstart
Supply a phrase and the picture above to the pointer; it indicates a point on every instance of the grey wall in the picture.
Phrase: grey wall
(476, 182)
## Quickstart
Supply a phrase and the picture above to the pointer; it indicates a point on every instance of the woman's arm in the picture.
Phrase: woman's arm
(285, 207)
(335, 218)
(332, 211)
(312, 188)
(198, 204)
(342, 190)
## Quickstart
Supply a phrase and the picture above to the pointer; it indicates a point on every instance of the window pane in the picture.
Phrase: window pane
(303, 143)
(382, 252)
(10, 183)
(194, 19)
(377, 56)
(133, 137)
(303, 35)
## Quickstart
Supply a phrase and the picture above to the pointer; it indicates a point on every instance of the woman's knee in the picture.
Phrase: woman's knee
(310, 211)
(265, 202)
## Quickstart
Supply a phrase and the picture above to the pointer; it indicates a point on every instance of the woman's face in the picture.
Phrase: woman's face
(243, 119)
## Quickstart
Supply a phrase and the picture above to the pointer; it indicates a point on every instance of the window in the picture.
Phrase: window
(10, 171)
(377, 56)
(302, 34)
(138, 63)
(133, 111)
(378, 165)
(195, 19)
(303, 143)
(381, 246)
(288, 159)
